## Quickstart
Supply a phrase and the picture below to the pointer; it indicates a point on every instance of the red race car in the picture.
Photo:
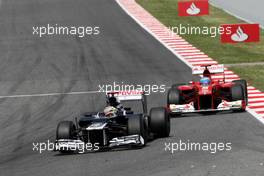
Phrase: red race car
(208, 94)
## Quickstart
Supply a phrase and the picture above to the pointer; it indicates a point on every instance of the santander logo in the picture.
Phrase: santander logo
(193, 10)
(239, 36)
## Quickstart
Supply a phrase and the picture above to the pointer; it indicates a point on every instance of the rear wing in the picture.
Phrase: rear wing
(199, 70)
(127, 95)
(131, 96)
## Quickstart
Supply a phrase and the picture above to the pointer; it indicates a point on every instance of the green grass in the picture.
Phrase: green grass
(166, 12)
(253, 74)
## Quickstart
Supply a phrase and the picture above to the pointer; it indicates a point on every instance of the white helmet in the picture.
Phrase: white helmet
(110, 111)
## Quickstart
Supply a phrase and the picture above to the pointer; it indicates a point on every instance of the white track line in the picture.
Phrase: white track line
(257, 104)
(192, 54)
(256, 99)
(258, 110)
(48, 94)
(256, 115)
(189, 51)
(176, 52)
(254, 91)
(256, 95)
(196, 56)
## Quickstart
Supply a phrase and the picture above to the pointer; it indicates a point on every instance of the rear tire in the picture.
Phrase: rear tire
(173, 96)
(159, 122)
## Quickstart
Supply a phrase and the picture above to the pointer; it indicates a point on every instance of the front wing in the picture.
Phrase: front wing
(74, 145)
(189, 108)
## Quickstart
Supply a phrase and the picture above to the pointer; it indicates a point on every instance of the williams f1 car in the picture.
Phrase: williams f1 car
(116, 126)
(208, 94)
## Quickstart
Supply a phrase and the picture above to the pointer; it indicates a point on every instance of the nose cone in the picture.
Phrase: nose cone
(205, 90)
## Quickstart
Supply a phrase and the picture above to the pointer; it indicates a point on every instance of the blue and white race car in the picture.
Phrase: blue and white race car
(116, 126)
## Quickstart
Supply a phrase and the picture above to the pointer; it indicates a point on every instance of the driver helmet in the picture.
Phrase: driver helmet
(110, 111)
(113, 101)
(205, 81)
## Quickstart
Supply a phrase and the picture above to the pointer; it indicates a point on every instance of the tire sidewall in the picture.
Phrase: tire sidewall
(159, 122)
(65, 130)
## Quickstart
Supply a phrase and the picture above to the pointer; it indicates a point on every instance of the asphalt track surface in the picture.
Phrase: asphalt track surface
(250, 10)
(122, 52)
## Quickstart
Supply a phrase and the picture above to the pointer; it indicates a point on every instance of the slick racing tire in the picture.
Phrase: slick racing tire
(136, 125)
(173, 96)
(159, 122)
(243, 83)
(237, 93)
(65, 130)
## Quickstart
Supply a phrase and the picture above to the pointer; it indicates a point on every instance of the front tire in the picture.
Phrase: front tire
(237, 93)
(136, 125)
(66, 130)
(159, 122)
(243, 83)
(173, 96)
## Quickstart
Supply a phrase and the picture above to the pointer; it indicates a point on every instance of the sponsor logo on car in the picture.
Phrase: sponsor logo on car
(197, 70)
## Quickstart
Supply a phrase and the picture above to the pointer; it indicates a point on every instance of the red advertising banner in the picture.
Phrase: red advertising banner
(193, 8)
(238, 33)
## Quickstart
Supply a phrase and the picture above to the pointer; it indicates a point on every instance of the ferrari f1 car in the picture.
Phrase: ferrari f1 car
(209, 94)
(116, 126)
